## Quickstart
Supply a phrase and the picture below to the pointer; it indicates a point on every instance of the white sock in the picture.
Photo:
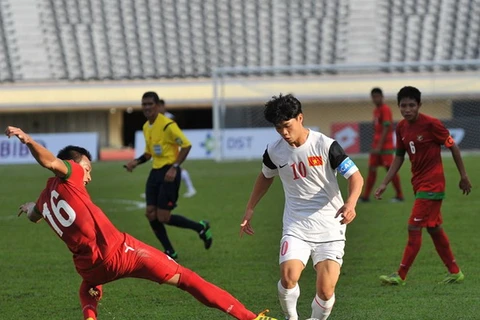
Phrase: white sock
(187, 180)
(321, 309)
(288, 300)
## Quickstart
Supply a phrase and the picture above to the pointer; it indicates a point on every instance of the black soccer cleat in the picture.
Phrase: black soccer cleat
(206, 234)
(173, 255)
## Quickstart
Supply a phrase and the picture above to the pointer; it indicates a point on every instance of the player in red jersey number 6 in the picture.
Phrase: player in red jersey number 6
(422, 136)
(101, 253)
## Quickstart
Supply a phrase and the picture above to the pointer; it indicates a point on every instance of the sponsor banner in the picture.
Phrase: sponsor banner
(247, 143)
(244, 143)
(465, 132)
(203, 143)
(13, 151)
(347, 135)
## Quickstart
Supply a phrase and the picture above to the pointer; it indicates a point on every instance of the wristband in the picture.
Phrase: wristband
(141, 159)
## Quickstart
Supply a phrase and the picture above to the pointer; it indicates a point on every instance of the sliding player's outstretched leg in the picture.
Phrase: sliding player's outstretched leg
(215, 297)
(89, 297)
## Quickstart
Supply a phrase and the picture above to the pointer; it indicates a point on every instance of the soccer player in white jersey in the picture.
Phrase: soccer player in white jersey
(315, 215)
(191, 191)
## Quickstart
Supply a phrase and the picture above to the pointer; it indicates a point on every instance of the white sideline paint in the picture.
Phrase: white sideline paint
(10, 217)
(129, 205)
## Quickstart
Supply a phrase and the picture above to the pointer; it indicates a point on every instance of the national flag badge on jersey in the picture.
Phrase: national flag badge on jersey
(314, 161)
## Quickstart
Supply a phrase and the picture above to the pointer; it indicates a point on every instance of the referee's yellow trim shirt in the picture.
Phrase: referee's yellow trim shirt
(162, 140)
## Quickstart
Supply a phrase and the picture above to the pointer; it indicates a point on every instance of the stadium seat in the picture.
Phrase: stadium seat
(120, 39)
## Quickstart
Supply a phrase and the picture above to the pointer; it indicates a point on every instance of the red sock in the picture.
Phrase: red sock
(212, 296)
(440, 240)
(372, 176)
(411, 250)
(88, 302)
(396, 186)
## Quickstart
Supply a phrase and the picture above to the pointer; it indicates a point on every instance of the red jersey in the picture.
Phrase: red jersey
(382, 116)
(422, 140)
(66, 206)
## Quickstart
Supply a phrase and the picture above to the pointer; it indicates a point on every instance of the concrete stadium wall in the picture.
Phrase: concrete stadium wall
(62, 121)
(99, 106)
(109, 123)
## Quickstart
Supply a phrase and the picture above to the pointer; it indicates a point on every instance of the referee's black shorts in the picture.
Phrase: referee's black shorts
(160, 193)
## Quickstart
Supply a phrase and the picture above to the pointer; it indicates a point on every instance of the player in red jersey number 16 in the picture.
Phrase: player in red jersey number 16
(101, 253)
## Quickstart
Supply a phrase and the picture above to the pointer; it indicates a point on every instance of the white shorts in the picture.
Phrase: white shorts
(292, 248)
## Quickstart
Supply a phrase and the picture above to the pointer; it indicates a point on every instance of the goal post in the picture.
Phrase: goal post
(336, 97)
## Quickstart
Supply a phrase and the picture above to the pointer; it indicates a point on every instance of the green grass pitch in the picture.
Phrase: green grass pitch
(38, 280)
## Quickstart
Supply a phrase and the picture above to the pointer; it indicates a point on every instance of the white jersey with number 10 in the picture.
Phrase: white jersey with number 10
(309, 178)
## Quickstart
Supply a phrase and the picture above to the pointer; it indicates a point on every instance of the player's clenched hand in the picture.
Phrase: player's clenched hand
(131, 165)
(171, 174)
(245, 226)
(348, 213)
(379, 191)
(465, 185)
(14, 131)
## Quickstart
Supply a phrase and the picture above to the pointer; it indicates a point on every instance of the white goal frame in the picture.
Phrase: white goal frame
(242, 75)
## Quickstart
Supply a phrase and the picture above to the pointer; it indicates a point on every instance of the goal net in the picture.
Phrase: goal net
(336, 100)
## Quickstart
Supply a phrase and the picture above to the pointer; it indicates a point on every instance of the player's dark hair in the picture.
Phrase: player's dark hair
(162, 102)
(74, 153)
(409, 92)
(153, 95)
(376, 90)
(282, 108)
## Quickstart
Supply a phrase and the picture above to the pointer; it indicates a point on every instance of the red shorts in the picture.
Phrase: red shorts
(132, 259)
(426, 213)
(380, 160)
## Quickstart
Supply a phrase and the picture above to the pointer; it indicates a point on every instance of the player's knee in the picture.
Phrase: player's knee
(290, 273)
(163, 219)
(184, 282)
(433, 229)
(325, 293)
(413, 228)
(289, 281)
(150, 213)
(163, 215)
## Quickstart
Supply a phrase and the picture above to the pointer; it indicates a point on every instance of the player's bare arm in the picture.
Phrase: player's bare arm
(262, 184)
(132, 164)
(347, 211)
(182, 155)
(29, 209)
(396, 165)
(43, 156)
(464, 183)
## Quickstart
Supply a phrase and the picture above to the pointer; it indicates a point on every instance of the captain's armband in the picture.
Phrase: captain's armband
(449, 142)
(347, 168)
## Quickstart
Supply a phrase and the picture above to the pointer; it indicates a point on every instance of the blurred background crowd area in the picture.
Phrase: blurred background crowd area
(82, 65)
